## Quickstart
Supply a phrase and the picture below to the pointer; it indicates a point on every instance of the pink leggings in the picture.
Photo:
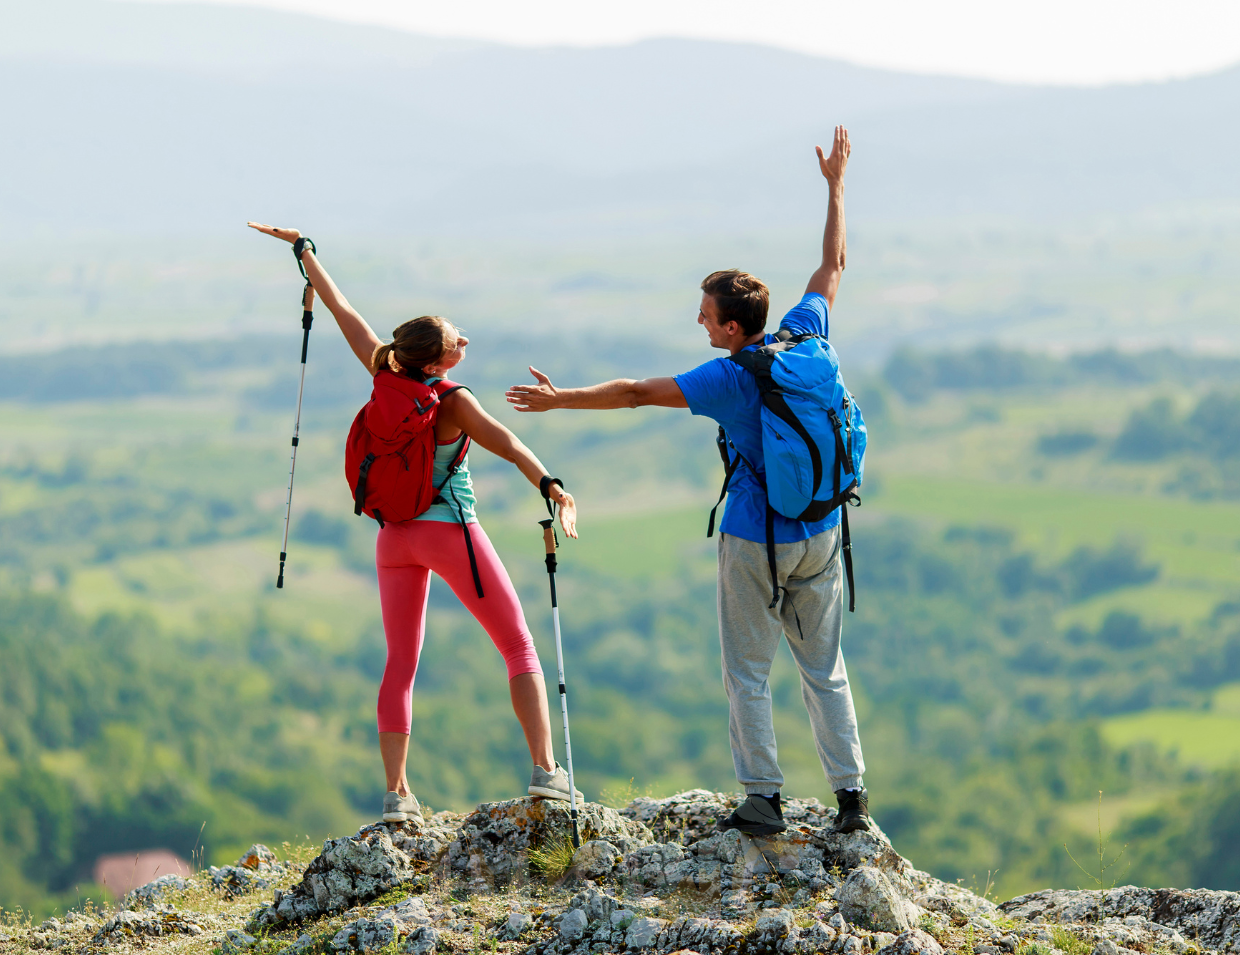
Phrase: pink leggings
(405, 555)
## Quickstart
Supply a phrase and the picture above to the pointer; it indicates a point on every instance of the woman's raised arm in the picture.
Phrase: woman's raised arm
(356, 331)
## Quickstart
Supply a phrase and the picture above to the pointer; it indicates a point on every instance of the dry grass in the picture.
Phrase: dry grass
(552, 859)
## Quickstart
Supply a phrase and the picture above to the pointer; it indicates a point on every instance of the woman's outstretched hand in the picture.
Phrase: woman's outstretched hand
(568, 509)
(539, 397)
(288, 235)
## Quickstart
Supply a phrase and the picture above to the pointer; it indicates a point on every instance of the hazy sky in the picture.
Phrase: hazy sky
(1055, 41)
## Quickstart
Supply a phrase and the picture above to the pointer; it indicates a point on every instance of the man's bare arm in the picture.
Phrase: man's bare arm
(620, 393)
(826, 279)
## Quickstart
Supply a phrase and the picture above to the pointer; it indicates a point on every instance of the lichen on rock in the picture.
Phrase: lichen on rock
(494, 841)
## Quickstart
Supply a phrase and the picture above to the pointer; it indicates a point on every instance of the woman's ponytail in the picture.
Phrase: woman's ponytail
(417, 343)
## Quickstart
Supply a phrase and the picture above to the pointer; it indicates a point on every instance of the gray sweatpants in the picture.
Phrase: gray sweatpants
(749, 633)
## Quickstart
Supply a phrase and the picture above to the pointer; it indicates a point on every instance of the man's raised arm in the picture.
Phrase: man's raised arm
(620, 393)
(826, 280)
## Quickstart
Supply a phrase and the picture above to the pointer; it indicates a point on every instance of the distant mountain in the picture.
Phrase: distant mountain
(139, 118)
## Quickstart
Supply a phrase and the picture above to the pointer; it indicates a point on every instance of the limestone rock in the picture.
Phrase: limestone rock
(149, 895)
(598, 922)
(912, 942)
(643, 933)
(515, 926)
(728, 862)
(494, 841)
(573, 925)
(356, 869)
(385, 928)
(869, 898)
(256, 869)
(775, 924)
(699, 935)
(848, 850)
(126, 925)
(236, 941)
(596, 859)
(1210, 917)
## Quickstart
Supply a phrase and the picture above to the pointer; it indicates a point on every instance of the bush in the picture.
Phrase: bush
(1152, 433)
(1088, 573)
(1215, 425)
(1066, 443)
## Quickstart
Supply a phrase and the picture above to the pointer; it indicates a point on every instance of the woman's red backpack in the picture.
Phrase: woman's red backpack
(391, 448)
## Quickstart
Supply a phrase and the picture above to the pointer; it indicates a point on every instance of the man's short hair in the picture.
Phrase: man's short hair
(740, 297)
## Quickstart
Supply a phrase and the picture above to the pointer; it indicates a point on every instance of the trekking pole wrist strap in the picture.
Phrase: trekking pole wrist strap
(299, 247)
(544, 485)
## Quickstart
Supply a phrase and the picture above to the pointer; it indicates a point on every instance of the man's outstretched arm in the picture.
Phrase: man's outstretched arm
(826, 280)
(621, 393)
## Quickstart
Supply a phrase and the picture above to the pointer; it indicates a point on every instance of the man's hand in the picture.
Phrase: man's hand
(833, 166)
(539, 397)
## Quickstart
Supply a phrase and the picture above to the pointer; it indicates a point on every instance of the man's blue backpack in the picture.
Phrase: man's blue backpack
(813, 439)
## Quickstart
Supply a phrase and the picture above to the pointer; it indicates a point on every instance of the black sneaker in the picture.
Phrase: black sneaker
(757, 816)
(854, 814)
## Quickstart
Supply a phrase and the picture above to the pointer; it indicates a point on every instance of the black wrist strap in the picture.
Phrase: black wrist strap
(299, 246)
(544, 485)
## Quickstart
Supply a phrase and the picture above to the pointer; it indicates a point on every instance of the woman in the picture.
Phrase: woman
(407, 551)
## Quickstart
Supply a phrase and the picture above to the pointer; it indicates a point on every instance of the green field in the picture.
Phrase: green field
(1197, 543)
(1207, 739)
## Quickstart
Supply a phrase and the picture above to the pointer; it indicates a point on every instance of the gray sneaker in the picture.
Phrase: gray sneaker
(398, 808)
(551, 785)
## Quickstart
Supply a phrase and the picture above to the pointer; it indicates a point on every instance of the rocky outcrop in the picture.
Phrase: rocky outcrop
(407, 927)
(257, 868)
(871, 899)
(356, 869)
(657, 878)
(154, 892)
(1210, 918)
(494, 842)
(125, 925)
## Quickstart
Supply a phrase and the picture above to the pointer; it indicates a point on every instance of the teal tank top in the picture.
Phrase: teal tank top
(458, 490)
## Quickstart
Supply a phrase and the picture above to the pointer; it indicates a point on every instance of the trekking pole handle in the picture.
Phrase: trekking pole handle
(550, 543)
(549, 539)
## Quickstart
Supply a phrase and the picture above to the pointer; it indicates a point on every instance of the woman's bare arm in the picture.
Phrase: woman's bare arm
(462, 410)
(356, 331)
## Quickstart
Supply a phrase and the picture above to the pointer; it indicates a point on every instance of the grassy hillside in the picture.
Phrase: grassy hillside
(1024, 636)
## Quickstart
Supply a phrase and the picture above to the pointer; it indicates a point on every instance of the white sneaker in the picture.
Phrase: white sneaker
(551, 785)
(398, 808)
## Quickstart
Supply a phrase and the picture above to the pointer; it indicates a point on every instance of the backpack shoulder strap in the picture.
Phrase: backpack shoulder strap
(443, 388)
(757, 361)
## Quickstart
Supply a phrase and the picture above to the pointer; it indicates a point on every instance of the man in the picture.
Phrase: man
(734, 312)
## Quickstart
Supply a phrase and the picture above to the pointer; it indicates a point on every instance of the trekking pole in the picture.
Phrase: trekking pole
(307, 318)
(550, 542)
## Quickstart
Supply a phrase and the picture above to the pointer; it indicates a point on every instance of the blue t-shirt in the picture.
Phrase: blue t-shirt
(723, 390)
